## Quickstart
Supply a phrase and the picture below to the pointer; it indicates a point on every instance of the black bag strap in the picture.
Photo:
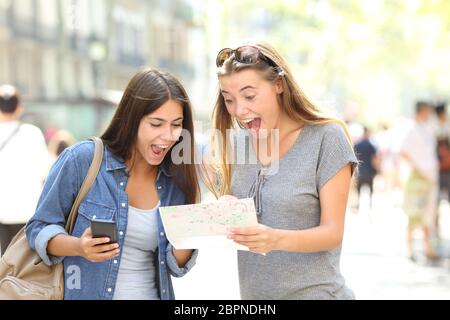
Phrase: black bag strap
(12, 134)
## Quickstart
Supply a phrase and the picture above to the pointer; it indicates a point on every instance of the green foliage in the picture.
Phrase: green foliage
(380, 55)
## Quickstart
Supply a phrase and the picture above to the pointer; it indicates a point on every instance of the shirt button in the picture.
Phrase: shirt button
(162, 234)
(115, 261)
(109, 289)
(94, 217)
(121, 233)
(121, 184)
(162, 262)
(123, 205)
(159, 187)
(164, 291)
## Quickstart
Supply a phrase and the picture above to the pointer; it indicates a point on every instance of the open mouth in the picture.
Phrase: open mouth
(252, 124)
(159, 150)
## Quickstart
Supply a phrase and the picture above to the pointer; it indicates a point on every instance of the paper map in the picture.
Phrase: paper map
(205, 225)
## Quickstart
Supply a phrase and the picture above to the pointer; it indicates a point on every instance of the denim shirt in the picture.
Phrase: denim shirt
(107, 199)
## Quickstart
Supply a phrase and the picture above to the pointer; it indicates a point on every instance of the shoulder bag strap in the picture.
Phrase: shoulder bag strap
(87, 183)
(13, 133)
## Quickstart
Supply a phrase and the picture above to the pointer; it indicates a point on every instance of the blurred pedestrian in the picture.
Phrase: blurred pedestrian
(369, 164)
(58, 142)
(388, 172)
(444, 168)
(442, 123)
(137, 176)
(300, 185)
(443, 138)
(420, 194)
(23, 166)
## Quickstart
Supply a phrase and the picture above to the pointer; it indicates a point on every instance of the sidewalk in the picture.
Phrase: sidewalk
(374, 261)
(374, 258)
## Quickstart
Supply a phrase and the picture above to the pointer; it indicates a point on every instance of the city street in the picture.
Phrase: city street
(374, 260)
(164, 84)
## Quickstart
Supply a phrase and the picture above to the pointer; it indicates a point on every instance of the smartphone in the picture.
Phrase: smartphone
(104, 228)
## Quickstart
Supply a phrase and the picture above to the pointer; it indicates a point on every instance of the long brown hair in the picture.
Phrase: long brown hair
(147, 91)
(292, 101)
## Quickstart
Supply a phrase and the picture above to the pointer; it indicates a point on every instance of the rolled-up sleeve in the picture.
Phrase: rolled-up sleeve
(58, 195)
(41, 242)
(172, 264)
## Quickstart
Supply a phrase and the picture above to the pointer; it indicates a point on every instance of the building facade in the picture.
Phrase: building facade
(71, 59)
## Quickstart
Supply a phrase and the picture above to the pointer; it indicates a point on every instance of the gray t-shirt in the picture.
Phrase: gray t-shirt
(289, 199)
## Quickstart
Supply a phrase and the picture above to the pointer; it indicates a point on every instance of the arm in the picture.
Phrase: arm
(182, 256)
(406, 149)
(444, 158)
(445, 163)
(45, 231)
(407, 158)
(92, 249)
(327, 236)
(180, 262)
(414, 167)
(376, 161)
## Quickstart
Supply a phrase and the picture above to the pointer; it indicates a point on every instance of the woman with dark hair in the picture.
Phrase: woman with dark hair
(136, 177)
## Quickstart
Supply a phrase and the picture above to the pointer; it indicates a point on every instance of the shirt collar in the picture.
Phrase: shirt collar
(164, 167)
(113, 162)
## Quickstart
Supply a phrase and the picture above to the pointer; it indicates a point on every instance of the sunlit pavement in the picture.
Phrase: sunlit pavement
(374, 260)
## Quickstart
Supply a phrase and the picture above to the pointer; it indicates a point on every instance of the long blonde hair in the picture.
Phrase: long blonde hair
(292, 101)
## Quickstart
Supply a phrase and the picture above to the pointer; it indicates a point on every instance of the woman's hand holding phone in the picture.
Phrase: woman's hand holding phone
(97, 249)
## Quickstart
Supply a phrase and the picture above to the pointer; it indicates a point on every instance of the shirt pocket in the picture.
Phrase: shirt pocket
(90, 211)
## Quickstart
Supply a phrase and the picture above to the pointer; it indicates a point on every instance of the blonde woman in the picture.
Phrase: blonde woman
(299, 179)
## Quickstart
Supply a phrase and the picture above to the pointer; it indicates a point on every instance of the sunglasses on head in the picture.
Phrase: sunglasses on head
(244, 54)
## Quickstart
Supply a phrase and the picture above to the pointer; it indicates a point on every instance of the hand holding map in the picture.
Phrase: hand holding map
(206, 225)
